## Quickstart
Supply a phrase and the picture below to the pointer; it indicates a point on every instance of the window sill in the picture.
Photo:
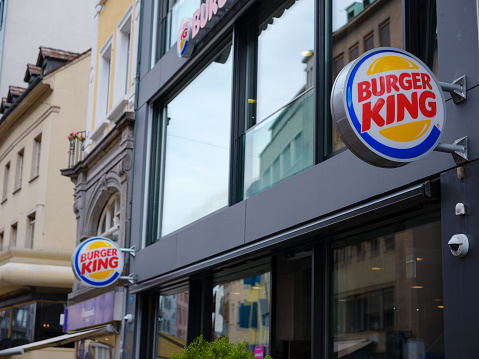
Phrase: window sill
(16, 190)
(33, 178)
(4, 200)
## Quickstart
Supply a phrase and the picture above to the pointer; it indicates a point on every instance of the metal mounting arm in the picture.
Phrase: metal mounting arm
(131, 250)
(457, 89)
(130, 278)
(458, 149)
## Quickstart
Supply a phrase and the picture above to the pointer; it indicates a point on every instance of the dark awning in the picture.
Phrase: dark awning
(60, 340)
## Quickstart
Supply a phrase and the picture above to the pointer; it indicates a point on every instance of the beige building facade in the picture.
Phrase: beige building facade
(37, 225)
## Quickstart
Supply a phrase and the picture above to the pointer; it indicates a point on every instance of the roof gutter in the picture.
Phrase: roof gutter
(29, 89)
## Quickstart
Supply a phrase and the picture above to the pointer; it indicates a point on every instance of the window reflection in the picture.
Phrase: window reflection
(387, 292)
(197, 146)
(241, 310)
(172, 324)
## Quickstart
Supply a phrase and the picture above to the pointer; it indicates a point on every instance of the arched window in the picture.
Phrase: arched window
(109, 225)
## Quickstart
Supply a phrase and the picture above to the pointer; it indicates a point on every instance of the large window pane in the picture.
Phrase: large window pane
(241, 310)
(285, 58)
(387, 292)
(280, 146)
(197, 147)
(23, 322)
(172, 324)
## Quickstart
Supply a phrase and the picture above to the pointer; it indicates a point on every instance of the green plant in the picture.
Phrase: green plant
(219, 348)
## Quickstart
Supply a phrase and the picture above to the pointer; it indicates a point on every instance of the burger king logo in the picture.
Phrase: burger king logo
(388, 108)
(184, 37)
(97, 262)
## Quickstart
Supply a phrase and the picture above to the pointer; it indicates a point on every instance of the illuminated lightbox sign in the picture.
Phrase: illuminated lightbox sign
(388, 108)
(193, 29)
(97, 262)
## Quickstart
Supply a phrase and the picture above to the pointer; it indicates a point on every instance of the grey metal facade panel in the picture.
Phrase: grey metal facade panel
(146, 36)
(216, 233)
(157, 258)
(138, 176)
(460, 274)
(457, 37)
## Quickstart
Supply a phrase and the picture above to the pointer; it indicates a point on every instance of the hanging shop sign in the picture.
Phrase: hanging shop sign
(388, 108)
(193, 29)
(97, 262)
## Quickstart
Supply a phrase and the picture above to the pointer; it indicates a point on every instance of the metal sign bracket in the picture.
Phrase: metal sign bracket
(457, 89)
(131, 250)
(458, 149)
(132, 278)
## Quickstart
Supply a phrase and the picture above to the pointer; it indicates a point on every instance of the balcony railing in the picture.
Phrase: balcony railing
(75, 153)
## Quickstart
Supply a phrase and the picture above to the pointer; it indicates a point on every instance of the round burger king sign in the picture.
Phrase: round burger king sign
(97, 262)
(388, 107)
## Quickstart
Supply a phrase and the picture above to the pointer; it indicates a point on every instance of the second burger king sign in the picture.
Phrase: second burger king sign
(388, 107)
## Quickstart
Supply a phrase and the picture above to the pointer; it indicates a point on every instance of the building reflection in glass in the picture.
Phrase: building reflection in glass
(387, 292)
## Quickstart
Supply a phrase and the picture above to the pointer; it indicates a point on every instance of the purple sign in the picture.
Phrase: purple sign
(91, 312)
(258, 352)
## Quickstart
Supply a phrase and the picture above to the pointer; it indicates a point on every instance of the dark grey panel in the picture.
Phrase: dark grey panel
(146, 35)
(158, 258)
(138, 176)
(216, 233)
(460, 274)
(163, 71)
(457, 37)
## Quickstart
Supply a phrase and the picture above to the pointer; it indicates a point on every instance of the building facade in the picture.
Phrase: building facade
(35, 24)
(35, 211)
(250, 217)
(101, 172)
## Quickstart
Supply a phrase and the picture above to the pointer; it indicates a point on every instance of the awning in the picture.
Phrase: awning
(60, 340)
(349, 346)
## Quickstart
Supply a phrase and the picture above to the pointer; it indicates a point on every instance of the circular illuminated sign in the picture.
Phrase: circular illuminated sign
(388, 107)
(97, 262)
(184, 38)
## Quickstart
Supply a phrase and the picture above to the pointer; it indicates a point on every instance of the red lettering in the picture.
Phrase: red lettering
(96, 254)
(405, 84)
(425, 78)
(103, 252)
(416, 81)
(391, 83)
(372, 114)
(103, 263)
(404, 104)
(428, 109)
(374, 86)
(390, 109)
(196, 24)
(113, 262)
(114, 252)
(86, 268)
(203, 15)
(83, 257)
(109, 252)
(364, 92)
(212, 8)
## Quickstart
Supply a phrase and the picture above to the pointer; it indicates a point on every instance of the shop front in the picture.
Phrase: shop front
(253, 216)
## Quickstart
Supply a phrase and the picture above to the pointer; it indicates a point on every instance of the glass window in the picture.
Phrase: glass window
(241, 310)
(168, 23)
(23, 323)
(4, 326)
(29, 240)
(172, 324)
(388, 302)
(197, 146)
(109, 225)
(19, 172)
(293, 306)
(279, 96)
(47, 320)
(13, 235)
(6, 178)
(37, 148)
(354, 24)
